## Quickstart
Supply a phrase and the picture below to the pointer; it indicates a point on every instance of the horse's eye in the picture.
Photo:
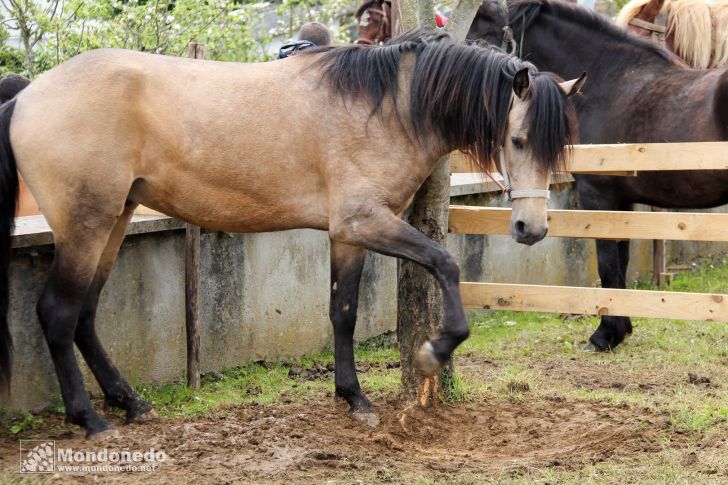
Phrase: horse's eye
(518, 143)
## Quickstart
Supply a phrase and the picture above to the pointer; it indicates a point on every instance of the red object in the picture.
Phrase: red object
(441, 20)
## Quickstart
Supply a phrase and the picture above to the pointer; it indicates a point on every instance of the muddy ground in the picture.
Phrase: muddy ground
(317, 441)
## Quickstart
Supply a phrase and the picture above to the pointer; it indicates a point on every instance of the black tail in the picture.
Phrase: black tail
(11, 85)
(8, 201)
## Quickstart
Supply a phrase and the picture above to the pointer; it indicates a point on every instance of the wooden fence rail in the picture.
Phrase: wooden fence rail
(627, 159)
(615, 225)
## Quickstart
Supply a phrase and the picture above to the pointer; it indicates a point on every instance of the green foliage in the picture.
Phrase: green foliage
(230, 30)
(23, 422)
(453, 388)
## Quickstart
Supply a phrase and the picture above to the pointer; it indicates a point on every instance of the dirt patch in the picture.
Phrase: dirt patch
(318, 440)
(584, 374)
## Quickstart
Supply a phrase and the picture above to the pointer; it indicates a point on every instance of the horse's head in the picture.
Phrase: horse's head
(539, 127)
(489, 21)
(375, 21)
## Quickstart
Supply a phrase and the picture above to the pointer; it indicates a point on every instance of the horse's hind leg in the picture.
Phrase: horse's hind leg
(346, 268)
(117, 392)
(81, 234)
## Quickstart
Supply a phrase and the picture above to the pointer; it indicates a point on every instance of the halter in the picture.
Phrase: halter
(382, 26)
(517, 194)
(658, 28)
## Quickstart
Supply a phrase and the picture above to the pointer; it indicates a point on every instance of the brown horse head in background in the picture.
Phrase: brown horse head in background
(374, 18)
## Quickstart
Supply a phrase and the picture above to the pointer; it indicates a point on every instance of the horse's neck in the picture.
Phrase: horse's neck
(568, 49)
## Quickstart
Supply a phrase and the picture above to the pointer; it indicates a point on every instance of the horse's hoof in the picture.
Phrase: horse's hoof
(102, 435)
(369, 417)
(590, 347)
(427, 363)
(144, 417)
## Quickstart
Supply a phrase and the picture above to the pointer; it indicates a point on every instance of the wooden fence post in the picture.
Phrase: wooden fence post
(192, 280)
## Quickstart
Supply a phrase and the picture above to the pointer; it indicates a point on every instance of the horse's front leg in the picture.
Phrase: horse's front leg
(612, 261)
(378, 229)
(346, 268)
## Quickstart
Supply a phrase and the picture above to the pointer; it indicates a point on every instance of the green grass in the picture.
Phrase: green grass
(270, 383)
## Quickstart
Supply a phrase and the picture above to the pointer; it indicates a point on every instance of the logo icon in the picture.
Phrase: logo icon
(37, 456)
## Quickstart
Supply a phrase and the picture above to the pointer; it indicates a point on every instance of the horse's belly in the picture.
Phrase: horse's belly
(232, 210)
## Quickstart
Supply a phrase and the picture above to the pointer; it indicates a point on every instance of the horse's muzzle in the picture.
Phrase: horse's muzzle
(529, 234)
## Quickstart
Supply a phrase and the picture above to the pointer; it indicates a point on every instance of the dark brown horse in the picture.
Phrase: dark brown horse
(638, 92)
(269, 147)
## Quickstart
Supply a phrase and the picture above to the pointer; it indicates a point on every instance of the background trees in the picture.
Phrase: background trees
(39, 34)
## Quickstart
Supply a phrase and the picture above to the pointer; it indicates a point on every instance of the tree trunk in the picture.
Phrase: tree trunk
(419, 303)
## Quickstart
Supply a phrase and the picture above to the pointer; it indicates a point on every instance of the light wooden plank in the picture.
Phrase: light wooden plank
(596, 301)
(468, 183)
(650, 156)
(628, 158)
(615, 225)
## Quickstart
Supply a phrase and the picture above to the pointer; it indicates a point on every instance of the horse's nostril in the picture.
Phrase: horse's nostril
(520, 228)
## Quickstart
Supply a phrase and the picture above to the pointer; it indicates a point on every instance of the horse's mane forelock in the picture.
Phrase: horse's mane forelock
(719, 16)
(461, 91)
(689, 21)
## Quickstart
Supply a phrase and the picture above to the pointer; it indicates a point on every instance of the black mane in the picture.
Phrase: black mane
(460, 91)
(522, 13)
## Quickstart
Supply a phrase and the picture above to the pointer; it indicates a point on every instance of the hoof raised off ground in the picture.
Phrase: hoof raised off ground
(427, 363)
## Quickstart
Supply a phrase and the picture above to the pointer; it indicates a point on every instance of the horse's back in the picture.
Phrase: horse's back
(250, 137)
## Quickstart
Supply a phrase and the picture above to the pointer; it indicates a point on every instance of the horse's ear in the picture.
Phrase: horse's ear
(572, 87)
(522, 83)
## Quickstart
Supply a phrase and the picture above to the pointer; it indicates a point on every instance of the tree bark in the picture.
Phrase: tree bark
(419, 304)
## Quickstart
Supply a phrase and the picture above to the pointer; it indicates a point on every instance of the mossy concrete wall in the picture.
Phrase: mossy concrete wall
(265, 296)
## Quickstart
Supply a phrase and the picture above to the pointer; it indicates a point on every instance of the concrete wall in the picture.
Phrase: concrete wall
(265, 296)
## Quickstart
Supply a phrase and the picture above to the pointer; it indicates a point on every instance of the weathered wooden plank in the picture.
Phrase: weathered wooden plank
(628, 158)
(616, 225)
(596, 301)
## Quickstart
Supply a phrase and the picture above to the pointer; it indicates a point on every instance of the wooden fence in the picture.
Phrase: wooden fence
(626, 160)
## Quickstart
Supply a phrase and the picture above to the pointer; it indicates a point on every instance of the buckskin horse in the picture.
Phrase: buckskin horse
(639, 92)
(295, 143)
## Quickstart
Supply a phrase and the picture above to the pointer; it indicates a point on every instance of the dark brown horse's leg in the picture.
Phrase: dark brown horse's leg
(117, 392)
(58, 309)
(612, 260)
(346, 268)
(383, 232)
